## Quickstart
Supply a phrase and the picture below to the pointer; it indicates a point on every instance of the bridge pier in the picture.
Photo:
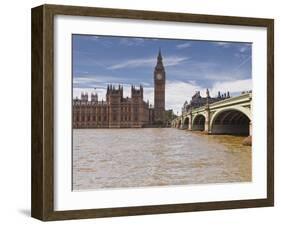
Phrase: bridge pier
(248, 140)
(207, 128)
(190, 122)
(250, 128)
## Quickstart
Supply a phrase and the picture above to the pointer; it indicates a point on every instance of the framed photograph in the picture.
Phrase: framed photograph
(142, 112)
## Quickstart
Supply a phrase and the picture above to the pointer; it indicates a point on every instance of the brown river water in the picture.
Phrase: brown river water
(119, 158)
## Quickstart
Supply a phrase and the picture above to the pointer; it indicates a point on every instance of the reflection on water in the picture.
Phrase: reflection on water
(115, 158)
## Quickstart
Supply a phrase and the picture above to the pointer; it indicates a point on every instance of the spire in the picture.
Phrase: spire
(208, 93)
(159, 55)
(159, 65)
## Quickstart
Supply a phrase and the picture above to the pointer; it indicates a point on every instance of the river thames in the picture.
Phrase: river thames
(119, 158)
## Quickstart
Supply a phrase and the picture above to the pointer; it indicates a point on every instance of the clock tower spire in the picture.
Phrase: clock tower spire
(159, 90)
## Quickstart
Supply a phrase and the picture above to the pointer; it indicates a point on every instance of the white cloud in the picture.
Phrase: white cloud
(243, 49)
(131, 41)
(148, 62)
(133, 63)
(243, 62)
(93, 38)
(222, 44)
(177, 92)
(85, 80)
(184, 45)
(171, 61)
(93, 79)
(232, 86)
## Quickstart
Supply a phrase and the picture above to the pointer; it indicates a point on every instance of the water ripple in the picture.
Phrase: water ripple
(116, 158)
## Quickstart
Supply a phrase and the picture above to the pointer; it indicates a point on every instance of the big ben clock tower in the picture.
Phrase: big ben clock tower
(159, 90)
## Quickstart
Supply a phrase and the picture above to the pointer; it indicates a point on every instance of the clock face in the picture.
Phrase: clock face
(159, 76)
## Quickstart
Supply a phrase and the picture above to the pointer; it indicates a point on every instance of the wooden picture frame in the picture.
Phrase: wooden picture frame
(42, 203)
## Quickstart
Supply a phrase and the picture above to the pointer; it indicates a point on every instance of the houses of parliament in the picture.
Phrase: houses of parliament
(118, 111)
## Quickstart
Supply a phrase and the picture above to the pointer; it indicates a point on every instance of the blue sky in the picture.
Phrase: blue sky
(191, 65)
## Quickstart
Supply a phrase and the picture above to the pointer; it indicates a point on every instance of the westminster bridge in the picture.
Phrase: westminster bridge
(229, 116)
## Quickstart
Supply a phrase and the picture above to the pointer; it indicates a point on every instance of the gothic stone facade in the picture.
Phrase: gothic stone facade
(119, 112)
(198, 101)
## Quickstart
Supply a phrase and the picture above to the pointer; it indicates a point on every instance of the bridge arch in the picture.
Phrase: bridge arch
(198, 122)
(235, 120)
(185, 124)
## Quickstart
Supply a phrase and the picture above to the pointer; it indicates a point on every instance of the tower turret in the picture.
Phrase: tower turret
(84, 97)
(94, 97)
(137, 92)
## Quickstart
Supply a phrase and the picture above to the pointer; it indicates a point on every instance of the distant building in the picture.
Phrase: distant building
(119, 112)
(198, 101)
